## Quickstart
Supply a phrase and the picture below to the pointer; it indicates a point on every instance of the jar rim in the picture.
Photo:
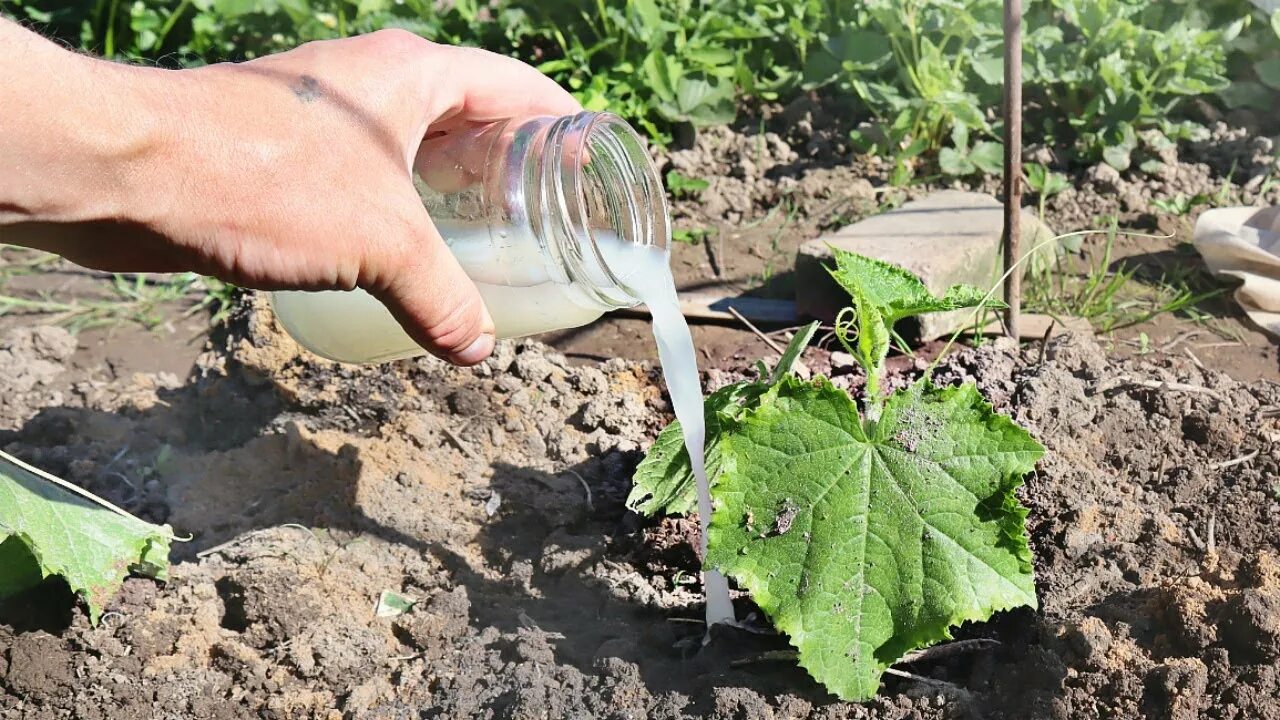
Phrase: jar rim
(641, 217)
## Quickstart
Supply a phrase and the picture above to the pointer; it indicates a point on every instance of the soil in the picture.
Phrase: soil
(493, 497)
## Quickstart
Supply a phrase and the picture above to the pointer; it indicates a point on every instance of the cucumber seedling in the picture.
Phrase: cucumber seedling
(862, 532)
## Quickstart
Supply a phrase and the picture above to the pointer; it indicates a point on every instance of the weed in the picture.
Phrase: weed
(1180, 205)
(683, 187)
(1114, 298)
(692, 236)
(1044, 183)
(136, 298)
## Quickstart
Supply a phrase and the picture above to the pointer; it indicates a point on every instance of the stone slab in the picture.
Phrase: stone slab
(945, 238)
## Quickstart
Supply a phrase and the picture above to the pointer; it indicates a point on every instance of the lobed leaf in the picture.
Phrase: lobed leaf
(46, 530)
(864, 542)
(664, 482)
(896, 291)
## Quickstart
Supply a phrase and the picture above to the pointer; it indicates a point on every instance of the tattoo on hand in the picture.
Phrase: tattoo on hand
(307, 89)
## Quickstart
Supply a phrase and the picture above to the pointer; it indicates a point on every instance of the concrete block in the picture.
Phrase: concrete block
(946, 238)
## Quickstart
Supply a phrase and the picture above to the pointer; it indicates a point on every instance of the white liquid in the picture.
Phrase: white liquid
(655, 286)
(525, 297)
(511, 274)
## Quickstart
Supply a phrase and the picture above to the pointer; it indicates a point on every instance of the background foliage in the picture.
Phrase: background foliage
(925, 74)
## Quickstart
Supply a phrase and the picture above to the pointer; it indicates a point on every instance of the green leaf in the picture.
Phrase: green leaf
(793, 351)
(864, 544)
(896, 291)
(48, 530)
(1275, 22)
(1117, 156)
(664, 482)
(1269, 72)
(954, 163)
(990, 69)
(989, 157)
(392, 604)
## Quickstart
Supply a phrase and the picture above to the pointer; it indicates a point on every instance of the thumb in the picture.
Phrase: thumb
(434, 300)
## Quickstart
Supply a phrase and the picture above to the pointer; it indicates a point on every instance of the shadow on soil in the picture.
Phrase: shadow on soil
(224, 458)
(238, 466)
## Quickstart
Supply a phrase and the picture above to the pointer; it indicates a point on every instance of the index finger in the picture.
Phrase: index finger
(487, 86)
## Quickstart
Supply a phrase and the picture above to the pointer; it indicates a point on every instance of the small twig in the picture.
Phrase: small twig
(1125, 380)
(220, 547)
(946, 650)
(711, 257)
(1180, 338)
(1194, 359)
(1044, 341)
(585, 487)
(922, 679)
(1237, 461)
(116, 458)
(756, 331)
(766, 656)
(1210, 541)
(453, 438)
(1195, 539)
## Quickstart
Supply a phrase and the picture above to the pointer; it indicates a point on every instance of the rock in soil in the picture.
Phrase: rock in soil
(311, 487)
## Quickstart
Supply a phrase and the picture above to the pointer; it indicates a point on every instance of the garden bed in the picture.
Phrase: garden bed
(494, 498)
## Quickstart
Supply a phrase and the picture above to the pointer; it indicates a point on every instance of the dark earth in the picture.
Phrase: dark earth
(494, 496)
(309, 488)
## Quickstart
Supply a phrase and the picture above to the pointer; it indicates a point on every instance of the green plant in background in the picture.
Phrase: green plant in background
(1254, 65)
(863, 534)
(920, 68)
(683, 187)
(691, 236)
(1045, 183)
(925, 73)
(1180, 204)
(1110, 68)
(960, 160)
(1114, 297)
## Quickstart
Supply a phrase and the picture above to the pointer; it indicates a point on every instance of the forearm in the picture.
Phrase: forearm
(77, 138)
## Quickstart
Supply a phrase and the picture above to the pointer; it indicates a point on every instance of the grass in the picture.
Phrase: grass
(140, 298)
(1114, 296)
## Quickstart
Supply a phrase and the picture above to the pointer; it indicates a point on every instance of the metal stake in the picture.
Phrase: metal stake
(1012, 162)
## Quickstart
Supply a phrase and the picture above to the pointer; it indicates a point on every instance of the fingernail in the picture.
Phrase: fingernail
(476, 352)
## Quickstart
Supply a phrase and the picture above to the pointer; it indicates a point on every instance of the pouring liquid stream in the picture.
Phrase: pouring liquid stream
(653, 284)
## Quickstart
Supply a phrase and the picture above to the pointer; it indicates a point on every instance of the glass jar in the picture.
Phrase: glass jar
(549, 216)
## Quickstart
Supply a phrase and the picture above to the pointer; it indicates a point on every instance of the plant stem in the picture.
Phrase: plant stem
(170, 22)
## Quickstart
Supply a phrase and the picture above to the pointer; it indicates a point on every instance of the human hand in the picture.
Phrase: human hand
(294, 171)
